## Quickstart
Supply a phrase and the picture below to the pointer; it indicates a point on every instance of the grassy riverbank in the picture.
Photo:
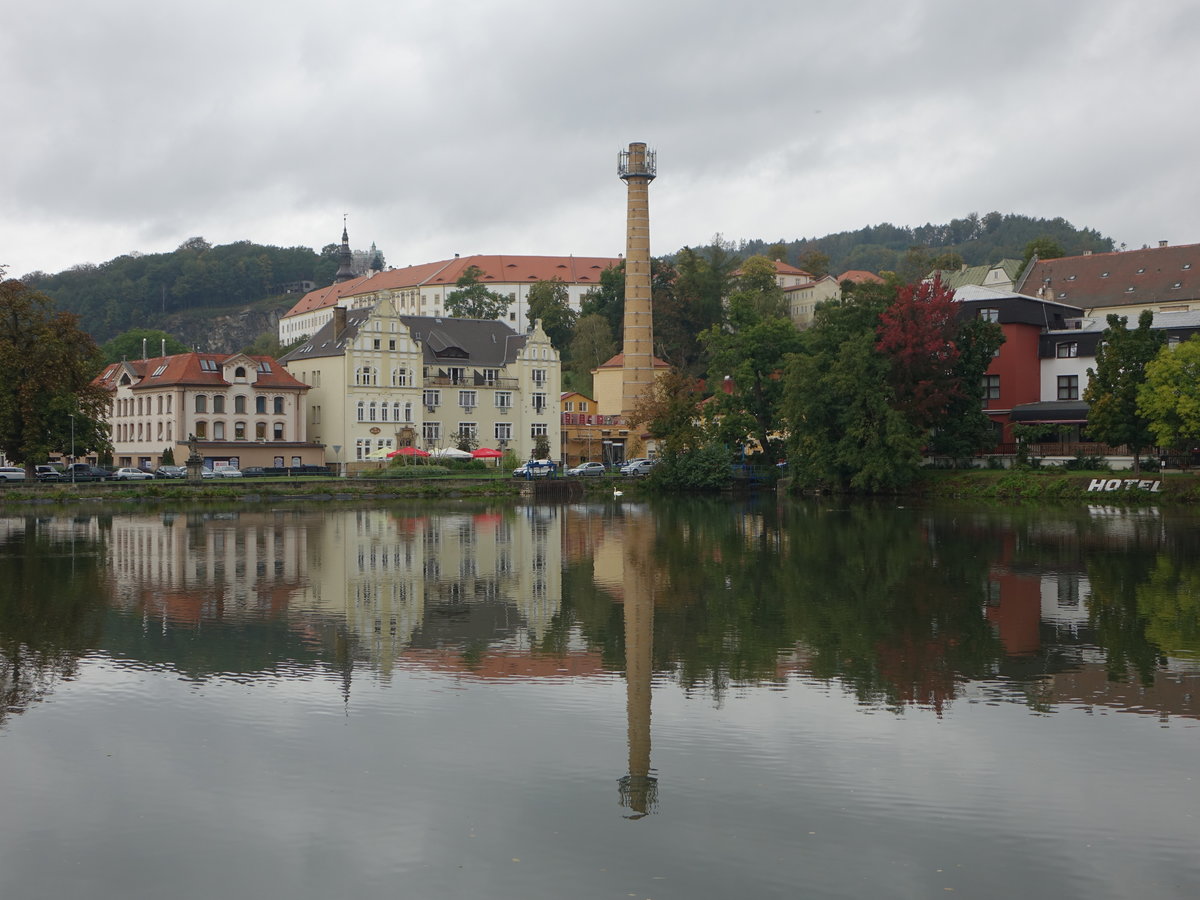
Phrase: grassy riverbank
(253, 490)
(1056, 484)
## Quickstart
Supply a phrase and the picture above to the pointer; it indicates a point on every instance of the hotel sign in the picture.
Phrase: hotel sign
(1108, 485)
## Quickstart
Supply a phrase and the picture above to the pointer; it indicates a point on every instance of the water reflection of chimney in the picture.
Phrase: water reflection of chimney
(639, 789)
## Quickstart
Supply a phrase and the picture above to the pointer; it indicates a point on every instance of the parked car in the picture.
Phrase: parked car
(586, 469)
(47, 473)
(11, 473)
(171, 472)
(129, 473)
(83, 472)
(535, 468)
(227, 472)
(638, 467)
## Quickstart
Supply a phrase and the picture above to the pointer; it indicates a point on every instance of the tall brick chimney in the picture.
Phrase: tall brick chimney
(637, 168)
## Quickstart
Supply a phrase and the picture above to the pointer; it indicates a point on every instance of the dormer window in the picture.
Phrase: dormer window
(1070, 278)
(1177, 285)
(239, 372)
(1141, 270)
(159, 371)
(1187, 265)
(1129, 290)
(1104, 274)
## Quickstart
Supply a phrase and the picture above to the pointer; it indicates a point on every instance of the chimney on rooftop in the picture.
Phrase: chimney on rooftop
(339, 321)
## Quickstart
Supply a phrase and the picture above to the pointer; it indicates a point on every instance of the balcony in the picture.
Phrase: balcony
(507, 384)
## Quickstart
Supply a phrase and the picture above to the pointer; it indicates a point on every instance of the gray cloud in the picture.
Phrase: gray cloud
(133, 125)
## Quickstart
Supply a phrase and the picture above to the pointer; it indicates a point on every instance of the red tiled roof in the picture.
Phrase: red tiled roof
(618, 362)
(860, 276)
(782, 268)
(185, 368)
(497, 269)
(1151, 275)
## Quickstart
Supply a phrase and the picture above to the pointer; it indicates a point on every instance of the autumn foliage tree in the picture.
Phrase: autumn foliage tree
(48, 363)
(917, 334)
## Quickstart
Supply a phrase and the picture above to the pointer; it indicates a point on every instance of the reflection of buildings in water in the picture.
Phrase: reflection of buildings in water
(1019, 604)
(201, 566)
(1090, 686)
(488, 579)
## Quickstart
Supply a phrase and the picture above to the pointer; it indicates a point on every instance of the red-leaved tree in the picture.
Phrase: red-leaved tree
(916, 333)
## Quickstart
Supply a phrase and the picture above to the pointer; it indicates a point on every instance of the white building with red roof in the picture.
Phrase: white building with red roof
(422, 290)
(243, 410)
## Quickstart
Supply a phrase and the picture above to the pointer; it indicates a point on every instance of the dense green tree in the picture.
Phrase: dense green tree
(1043, 247)
(1170, 398)
(1113, 385)
(607, 299)
(756, 294)
(965, 429)
(591, 345)
(845, 430)
(267, 344)
(815, 262)
(48, 364)
(670, 412)
(129, 345)
(548, 301)
(473, 299)
(753, 358)
(704, 281)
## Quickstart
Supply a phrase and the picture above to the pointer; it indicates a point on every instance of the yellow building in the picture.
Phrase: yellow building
(380, 380)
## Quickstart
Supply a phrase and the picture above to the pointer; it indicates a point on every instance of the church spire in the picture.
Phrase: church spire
(345, 270)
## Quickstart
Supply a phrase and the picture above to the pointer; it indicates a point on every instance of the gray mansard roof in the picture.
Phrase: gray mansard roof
(444, 341)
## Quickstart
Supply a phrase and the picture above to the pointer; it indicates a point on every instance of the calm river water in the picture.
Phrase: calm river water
(671, 700)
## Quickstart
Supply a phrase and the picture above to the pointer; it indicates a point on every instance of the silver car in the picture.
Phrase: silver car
(129, 473)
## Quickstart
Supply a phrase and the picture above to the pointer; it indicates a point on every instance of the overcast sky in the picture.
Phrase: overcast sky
(493, 127)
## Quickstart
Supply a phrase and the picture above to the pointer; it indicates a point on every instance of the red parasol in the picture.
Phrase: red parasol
(486, 453)
(408, 451)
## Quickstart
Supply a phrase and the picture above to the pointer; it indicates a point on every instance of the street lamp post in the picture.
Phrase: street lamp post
(72, 447)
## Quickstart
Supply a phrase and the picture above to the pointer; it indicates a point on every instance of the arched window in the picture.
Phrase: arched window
(408, 412)
(362, 411)
(383, 412)
(239, 372)
(218, 431)
(366, 375)
(239, 404)
(260, 431)
(400, 377)
(201, 403)
(202, 430)
(260, 405)
(279, 406)
(396, 408)
(239, 431)
(371, 414)
(218, 403)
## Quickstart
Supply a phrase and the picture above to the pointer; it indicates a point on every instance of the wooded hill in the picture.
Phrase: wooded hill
(975, 239)
(199, 282)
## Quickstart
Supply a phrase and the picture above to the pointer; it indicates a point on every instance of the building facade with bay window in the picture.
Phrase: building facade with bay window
(380, 381)
(242, 410)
